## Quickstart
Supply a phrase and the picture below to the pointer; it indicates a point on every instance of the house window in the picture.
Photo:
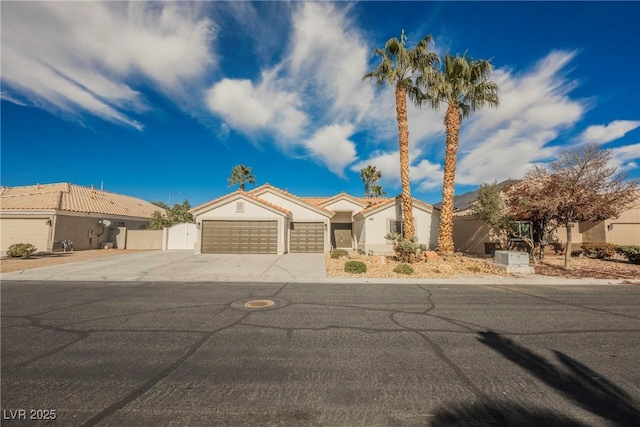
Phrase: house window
(395, 226)
(239, 207)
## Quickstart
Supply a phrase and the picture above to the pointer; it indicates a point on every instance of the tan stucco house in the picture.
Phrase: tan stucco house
(471, 235)
(44, 215)
(270, 220)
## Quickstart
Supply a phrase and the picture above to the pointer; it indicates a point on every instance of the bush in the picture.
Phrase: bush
(355, 267)
(599, 250)
(21, 250)
(337, 253)
(631, 252)
(403, 269)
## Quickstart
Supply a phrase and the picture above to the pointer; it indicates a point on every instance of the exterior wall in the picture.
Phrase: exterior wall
(344, 205)
(592, 231)
(470, 234)
(360, 234)
(377, 226)
(252, 212)
(560, 236)
(300, 213)
(144, 239)
(343, 217)
(81, 228)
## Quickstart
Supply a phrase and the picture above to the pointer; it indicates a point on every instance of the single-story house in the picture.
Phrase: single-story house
(270, 220)
(472, 235)
(45, 215)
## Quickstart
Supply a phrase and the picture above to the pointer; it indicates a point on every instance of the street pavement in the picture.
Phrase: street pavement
(325, 354)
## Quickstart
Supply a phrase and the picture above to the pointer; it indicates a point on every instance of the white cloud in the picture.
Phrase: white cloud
(331, 145)
(535, 108)
(249, 108)
(623, 157)
(78, 58)
(601, 134)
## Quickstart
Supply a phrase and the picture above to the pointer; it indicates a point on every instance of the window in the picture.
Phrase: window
(395, 226)
(239, 207)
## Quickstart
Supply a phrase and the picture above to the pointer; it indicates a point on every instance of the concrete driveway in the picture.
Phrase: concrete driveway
(183, 266)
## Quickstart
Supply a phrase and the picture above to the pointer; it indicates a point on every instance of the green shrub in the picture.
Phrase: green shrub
(403, 269)
(599, 250)
(21, 250)
(337, 253)
(355, 267)
(631, 252)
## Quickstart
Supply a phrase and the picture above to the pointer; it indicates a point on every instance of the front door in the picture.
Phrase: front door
(341, 235)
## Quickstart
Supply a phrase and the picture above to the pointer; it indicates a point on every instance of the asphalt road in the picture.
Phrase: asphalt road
(191, 354)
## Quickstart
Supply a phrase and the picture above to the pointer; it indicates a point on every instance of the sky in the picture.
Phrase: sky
(161, 100)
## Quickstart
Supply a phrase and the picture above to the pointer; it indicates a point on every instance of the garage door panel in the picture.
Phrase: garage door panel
(19, 230)
(307, 237)
(239, 237)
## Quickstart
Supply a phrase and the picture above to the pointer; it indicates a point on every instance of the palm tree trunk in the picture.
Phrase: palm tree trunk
(403, 143)
(452, 123)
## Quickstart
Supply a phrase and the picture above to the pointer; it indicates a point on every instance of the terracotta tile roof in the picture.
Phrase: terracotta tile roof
(243, 193)
(370, 201)
(389, 201)
(74, 198)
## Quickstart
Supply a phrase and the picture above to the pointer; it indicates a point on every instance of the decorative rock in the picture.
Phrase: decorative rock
(431, 254)
(382, 260)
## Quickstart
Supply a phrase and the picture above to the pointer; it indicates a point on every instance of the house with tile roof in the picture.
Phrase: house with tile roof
(44, 215)
(268, 219)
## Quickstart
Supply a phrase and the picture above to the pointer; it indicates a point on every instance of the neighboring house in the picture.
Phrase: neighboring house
(270, 220)
(44, 215)
(472, 235)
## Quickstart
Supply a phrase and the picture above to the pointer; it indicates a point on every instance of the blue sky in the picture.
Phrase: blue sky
(160, 98)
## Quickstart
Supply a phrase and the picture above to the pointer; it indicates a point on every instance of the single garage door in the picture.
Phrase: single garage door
(625, 234)
(32, 230)
(307, 237)
(240, 237)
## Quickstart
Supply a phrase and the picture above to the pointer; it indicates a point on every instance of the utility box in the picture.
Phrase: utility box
(513, 262)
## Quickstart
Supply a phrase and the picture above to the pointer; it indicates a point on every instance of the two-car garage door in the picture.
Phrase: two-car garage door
(240, 237)
(259, 237)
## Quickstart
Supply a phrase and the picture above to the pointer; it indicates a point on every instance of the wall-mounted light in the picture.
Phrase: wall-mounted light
(48, 222)
(610, 227)
(197, 226)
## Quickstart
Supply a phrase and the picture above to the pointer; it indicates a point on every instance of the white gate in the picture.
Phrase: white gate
(181, 236)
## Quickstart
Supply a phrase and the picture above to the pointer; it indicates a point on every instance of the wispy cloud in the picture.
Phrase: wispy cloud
(601, 134)
(80, 58)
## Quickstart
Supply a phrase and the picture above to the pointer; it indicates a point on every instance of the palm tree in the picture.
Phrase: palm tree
(463, 84)
(241, 174)
(370, 175)
(400, 67)
(377, 191)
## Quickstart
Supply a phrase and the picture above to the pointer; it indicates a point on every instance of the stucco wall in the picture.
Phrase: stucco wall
(78, 229)
(344, 205)
(470, 235)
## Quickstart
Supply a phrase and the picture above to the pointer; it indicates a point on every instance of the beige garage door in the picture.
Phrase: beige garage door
(307, 237)
(33, 230)
(625, 234)
(239, 237)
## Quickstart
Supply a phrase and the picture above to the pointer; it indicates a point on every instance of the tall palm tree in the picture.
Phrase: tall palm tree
(241, 174)
(463, 84)
(399, 67)
(369, 175)
(377, 191)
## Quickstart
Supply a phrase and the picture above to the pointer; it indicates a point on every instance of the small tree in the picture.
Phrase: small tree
(491, 207)
(581, 186)
(240, 175)
(178, 214)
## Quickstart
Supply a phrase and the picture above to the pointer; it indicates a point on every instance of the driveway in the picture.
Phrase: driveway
(183, 266)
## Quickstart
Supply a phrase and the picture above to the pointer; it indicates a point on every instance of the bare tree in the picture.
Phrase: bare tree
(580, 186)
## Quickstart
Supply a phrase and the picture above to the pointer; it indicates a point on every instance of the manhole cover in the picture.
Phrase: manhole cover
(259, 303)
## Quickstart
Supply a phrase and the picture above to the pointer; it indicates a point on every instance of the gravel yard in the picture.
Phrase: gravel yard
(614, 268)
(381, 267)
(46, 259)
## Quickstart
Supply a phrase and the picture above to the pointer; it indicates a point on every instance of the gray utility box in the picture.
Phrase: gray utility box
(512, 258)
(513, 262)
